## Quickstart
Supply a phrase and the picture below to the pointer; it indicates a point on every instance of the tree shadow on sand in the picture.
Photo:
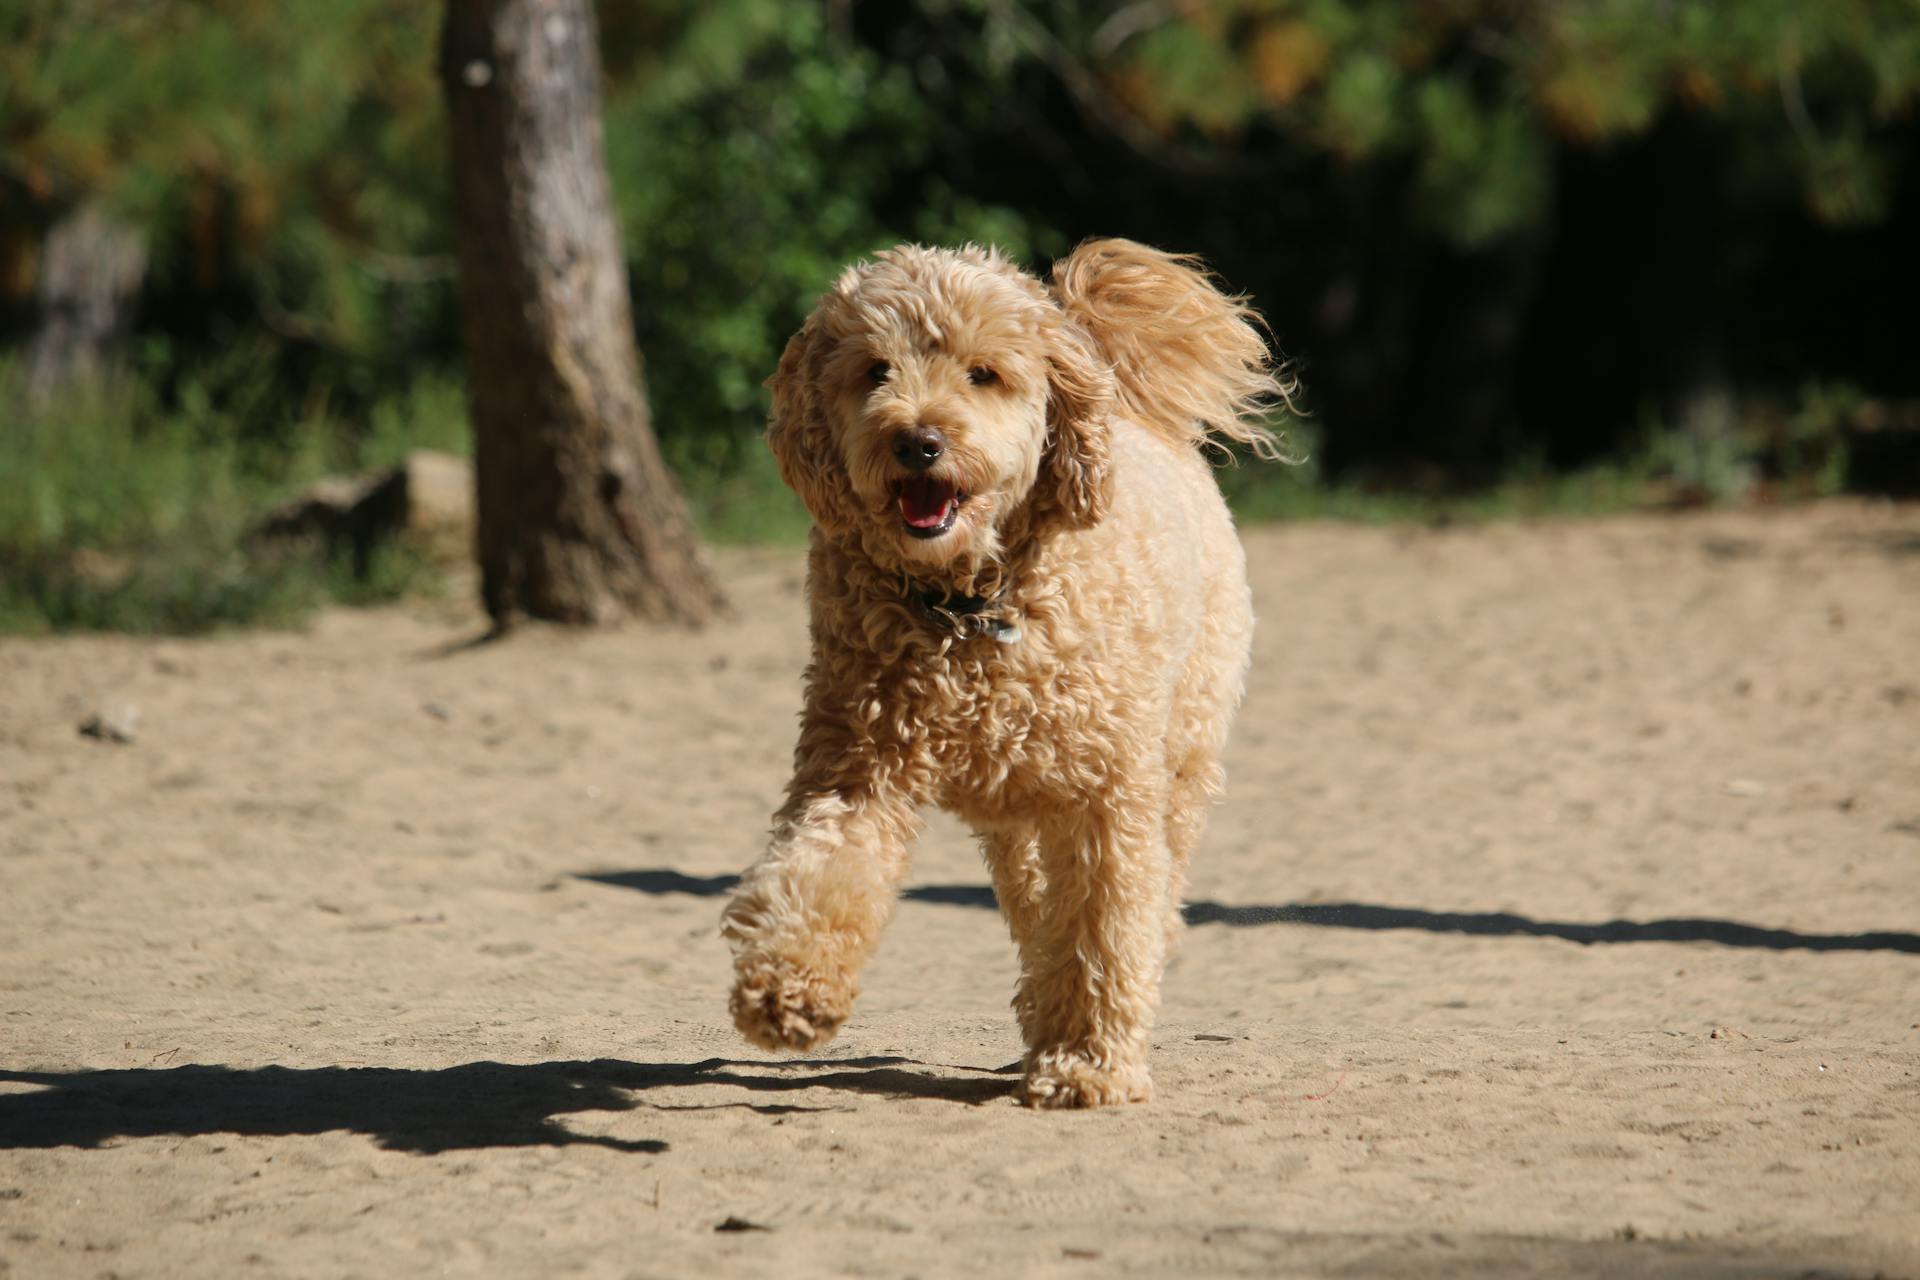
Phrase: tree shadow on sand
(1357, 915)
(478, 1104)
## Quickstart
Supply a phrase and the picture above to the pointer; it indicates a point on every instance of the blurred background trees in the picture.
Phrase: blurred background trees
(1498, 237)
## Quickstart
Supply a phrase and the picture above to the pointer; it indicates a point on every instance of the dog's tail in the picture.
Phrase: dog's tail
(1189, 360)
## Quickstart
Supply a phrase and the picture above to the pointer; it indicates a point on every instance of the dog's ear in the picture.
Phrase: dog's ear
(799, 436)
(1074, 489)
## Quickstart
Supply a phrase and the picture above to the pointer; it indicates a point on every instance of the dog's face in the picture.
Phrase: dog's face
(933, 397)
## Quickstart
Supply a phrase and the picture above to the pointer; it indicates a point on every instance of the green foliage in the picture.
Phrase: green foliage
(750, 150)
(1471, 91)
(1191, 74)
(1814, 442)
(1804, 449)
(1462, 143)
(296, 147)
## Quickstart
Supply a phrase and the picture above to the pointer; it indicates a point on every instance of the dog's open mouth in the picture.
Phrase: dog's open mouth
(929, 505)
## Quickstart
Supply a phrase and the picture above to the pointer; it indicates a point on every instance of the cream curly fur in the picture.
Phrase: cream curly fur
(1086, 751)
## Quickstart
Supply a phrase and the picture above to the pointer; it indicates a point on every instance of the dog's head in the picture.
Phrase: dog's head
(936, 404)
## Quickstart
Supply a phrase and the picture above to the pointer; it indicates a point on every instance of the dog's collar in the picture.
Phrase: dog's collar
(964, 614)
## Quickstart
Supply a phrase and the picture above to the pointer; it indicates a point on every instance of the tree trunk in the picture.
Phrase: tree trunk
(578, 518)
(91, 267)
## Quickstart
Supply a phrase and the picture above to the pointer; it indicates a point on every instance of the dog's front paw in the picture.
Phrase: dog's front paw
(779, 1005)
(1066, 1078)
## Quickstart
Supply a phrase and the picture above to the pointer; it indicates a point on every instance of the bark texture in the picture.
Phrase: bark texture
(579, 520)
(91, 267)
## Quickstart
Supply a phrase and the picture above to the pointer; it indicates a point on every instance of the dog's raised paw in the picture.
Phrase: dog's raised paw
(778, 1006)
(1058, 1080)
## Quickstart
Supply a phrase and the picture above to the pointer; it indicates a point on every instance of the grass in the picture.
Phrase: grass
(735, 493)
(122, 514)
(1258, 495)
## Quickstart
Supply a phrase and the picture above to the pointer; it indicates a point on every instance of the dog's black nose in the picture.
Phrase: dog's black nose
(918, 448)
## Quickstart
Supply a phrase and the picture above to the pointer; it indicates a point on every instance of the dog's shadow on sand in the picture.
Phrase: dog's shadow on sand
(478, 1104)
(657, 881)
(491, 1104)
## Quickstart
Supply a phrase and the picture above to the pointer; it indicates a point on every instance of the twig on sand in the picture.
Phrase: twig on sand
(1322, 1097)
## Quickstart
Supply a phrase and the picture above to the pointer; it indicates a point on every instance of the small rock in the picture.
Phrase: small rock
(1746, 788)
(117, 722)
(440, 504)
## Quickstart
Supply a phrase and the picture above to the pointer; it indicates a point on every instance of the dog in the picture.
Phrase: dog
(1028, 606)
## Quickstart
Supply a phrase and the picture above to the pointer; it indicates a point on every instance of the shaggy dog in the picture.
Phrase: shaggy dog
(1028, 607)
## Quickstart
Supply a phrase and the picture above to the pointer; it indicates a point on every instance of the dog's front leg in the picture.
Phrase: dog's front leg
(1091, 967)
(808, 914)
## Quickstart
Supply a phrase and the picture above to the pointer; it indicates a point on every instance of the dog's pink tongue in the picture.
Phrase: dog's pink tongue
(924, 505)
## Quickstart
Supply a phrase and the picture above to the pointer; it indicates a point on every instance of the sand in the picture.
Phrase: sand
(1561, 921)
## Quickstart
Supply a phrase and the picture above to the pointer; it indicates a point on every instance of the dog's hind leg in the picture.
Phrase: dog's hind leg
(1090, 979)
(1203, 705)
(808, 914)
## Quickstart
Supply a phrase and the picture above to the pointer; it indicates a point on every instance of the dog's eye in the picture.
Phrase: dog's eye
(980, 375)
(877, 371)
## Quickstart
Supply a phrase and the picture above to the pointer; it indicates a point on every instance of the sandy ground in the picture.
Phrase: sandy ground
(1562, 921)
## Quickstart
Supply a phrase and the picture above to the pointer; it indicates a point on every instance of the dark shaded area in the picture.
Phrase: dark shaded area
(1885, 462)
(1727, 933)
(660, 881)
(1441, 1255)
(1354, 915)
(478, 1104)
(954, 895)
